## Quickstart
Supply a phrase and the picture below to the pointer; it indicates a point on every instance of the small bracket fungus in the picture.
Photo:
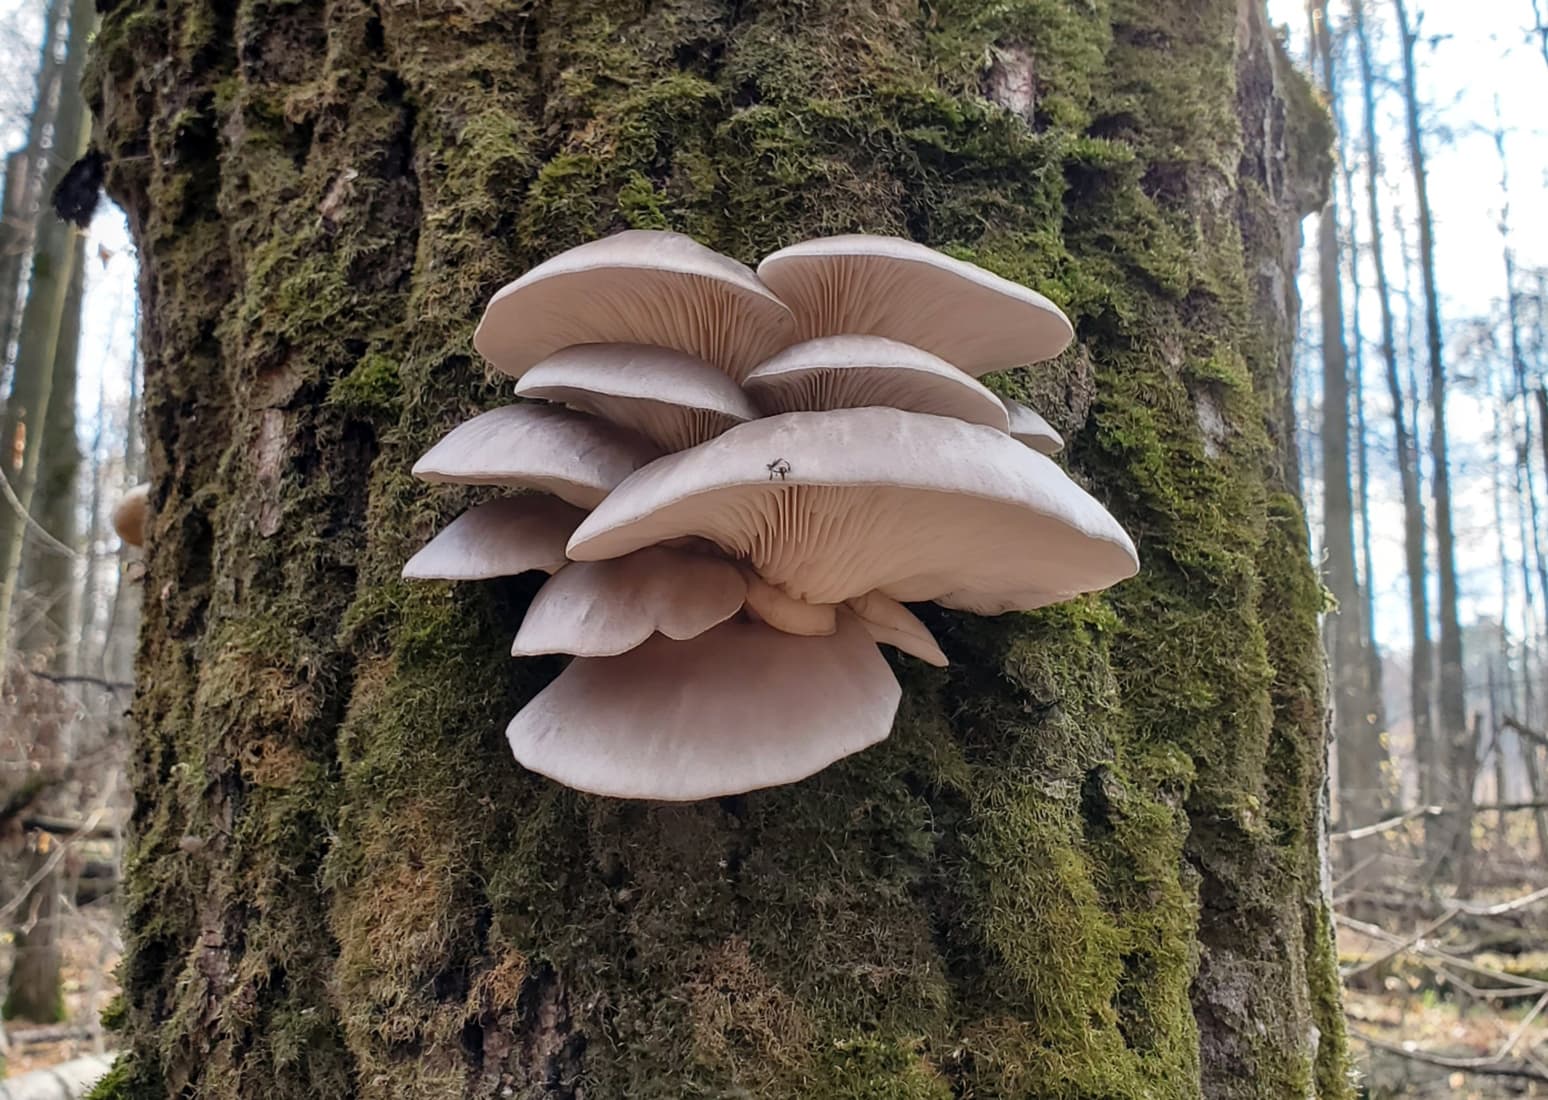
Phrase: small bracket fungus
(732, 518)
(130, 515)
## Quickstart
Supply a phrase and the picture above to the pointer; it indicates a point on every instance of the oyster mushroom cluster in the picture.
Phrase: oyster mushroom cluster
(737, 479)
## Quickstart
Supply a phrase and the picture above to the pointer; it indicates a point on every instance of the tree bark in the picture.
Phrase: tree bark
(1087, 862)
(1452, 708)
(1362, 755)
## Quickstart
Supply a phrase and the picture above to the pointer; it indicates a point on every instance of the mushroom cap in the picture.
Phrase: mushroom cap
(1027, 425)
(499, 539)
(920, 507)
(887, 286)
(578, 458)
(130, 515)
(672, 399)
(738, 708)
(603, 608)
(636, 287)
(771, 605)
(890, 623)
(851, 372)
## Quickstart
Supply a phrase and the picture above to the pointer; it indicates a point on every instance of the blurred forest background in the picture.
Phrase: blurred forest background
(1423, 416)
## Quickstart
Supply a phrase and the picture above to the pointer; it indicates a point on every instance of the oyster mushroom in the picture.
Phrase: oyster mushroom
(579, 459)
(740, 707)
(604, 608)
(499, 539)
(918, 507)
(672, 399)
(886, 286)
(850, 372)
(636, 287)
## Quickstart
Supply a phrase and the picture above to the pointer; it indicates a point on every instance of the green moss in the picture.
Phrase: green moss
(371, 390)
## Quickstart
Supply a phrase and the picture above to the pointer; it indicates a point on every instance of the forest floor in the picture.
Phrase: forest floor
(90, 948)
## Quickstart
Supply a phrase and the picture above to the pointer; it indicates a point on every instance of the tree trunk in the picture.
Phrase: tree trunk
(1451, 697)
(1087, 861)
(1361, 752)
(48, 571)
(23, 173)
(54, 253)
(33, 991)
(1407, 458)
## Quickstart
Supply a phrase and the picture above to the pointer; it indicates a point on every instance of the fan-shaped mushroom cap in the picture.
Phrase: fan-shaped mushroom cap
(578, 458)
(920, 507)
(890, 623)
(603, 608)
(636, 287)
(499, 539)
(740, 707)
(770, 605)
(672, 399)
(851, 372)
(1029, 427)
(886, 286)
(130, 514)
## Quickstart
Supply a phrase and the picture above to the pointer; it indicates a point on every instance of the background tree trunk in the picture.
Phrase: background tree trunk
(1455, 734)
(1086, 863)
(1414, 534)
(48, 569)
(1357, 735)
(54, 254)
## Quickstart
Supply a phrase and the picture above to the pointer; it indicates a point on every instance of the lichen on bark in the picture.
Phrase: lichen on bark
(1085, 863)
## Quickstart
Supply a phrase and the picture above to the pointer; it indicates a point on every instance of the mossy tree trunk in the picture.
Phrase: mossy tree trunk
(1086, 864)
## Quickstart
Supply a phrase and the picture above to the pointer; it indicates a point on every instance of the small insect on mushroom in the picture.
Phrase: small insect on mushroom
(778, 469)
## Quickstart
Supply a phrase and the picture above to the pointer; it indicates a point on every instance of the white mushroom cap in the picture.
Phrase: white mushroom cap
(577, 458)
(735, 709)
(499, 539)
(131, 513)
(600, 609)
(1029, 427)
(886, 286)
(636, 287)
(920, 507)
(672, 399)
(851, 372)
(890, 623)
(771, 605)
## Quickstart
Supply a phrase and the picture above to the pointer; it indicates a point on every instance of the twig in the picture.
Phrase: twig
(94, 681)
(63, 826)
(1524, 730)
(20, 509)
(1515, 985)
(1387, 825)
(1482, 1066)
